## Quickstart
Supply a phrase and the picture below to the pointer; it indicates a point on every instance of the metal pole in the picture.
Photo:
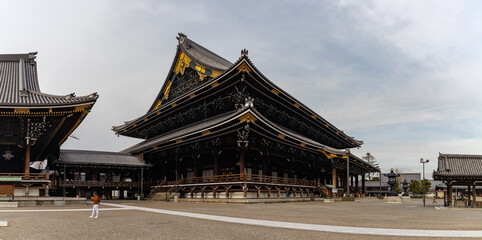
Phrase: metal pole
(423, 184)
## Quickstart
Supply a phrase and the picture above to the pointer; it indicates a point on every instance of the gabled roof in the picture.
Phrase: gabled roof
(458, 166)
(244, 65)
(232, 119)
(19, 85)
(96, 158)
(190, 54)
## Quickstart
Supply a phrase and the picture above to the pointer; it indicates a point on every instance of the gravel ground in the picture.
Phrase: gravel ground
(134, 224)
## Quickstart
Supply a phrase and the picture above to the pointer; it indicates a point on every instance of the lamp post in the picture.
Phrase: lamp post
(423, 178)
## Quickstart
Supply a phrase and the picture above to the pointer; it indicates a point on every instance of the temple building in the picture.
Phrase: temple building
(223, 130)
(463, 171)
(33, 125)
(113, 175)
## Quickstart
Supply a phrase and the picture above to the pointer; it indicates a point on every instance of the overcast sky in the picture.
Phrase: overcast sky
(403, 76)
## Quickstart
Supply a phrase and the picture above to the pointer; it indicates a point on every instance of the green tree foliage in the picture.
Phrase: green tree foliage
(426, 184)
(397, 187)
(375, 179)
(416, 188)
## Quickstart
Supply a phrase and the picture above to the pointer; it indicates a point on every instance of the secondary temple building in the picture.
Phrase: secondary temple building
(460, 170)
(223, 130)
(33, 125)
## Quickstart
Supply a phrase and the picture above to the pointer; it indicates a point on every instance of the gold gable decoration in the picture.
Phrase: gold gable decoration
(244, 68)
(182, 62)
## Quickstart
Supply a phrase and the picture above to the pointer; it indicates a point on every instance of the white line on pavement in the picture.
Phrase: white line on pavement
(315, 227)
(60, 210)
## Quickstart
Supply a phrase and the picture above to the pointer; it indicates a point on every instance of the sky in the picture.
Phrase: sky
(403, 76)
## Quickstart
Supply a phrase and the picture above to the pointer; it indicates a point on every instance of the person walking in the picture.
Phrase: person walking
(434, 199)
(95, 209)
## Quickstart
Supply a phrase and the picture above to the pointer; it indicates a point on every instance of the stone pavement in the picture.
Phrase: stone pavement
(148, 220)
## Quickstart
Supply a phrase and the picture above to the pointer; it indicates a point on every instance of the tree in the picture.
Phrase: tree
(397, 187)
(426, 185)
(371, 160)
(416, 187)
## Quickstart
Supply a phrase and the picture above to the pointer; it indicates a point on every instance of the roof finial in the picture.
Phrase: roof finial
(244, 53)
(181, 37)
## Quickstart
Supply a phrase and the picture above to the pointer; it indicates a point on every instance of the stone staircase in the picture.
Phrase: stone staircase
(162, 196)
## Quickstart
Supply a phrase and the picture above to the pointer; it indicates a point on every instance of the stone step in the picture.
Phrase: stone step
(8, 204)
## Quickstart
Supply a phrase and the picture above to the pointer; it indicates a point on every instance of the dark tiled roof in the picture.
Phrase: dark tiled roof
(202, 55)
(182, 132)
(82, 157)
(459, 165)
(19, 84)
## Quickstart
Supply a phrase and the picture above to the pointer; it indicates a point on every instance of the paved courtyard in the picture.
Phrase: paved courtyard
(147, 220)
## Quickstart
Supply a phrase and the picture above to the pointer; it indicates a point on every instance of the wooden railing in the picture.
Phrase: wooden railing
(30, 176)
(95, 183)
(241, 178)
(157, 188)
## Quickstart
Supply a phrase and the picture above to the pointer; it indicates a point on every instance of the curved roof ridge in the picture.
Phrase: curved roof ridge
(202, 54)
(459, 155)
(71, 96)
(93, 152)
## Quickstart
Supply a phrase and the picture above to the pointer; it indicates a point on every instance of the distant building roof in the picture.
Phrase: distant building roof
(406, 176)
(19, 85)
(96, 158)
(458, 166)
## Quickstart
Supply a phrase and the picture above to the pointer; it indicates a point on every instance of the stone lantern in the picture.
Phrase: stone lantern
(392, 181)
(405, 187)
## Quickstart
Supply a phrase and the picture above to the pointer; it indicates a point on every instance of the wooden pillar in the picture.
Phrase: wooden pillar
(346, 185)
(195, 166)
(363, 184)
(26, 169)
(291, 174)
(216, 164)
(474, 194)
(334, 181)
(469, 193)
(357, 189)
(265, 165)
(27, 189)
(351, 180)
(242, 162)
(255, 167)
(279, 192)
(449, 193)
